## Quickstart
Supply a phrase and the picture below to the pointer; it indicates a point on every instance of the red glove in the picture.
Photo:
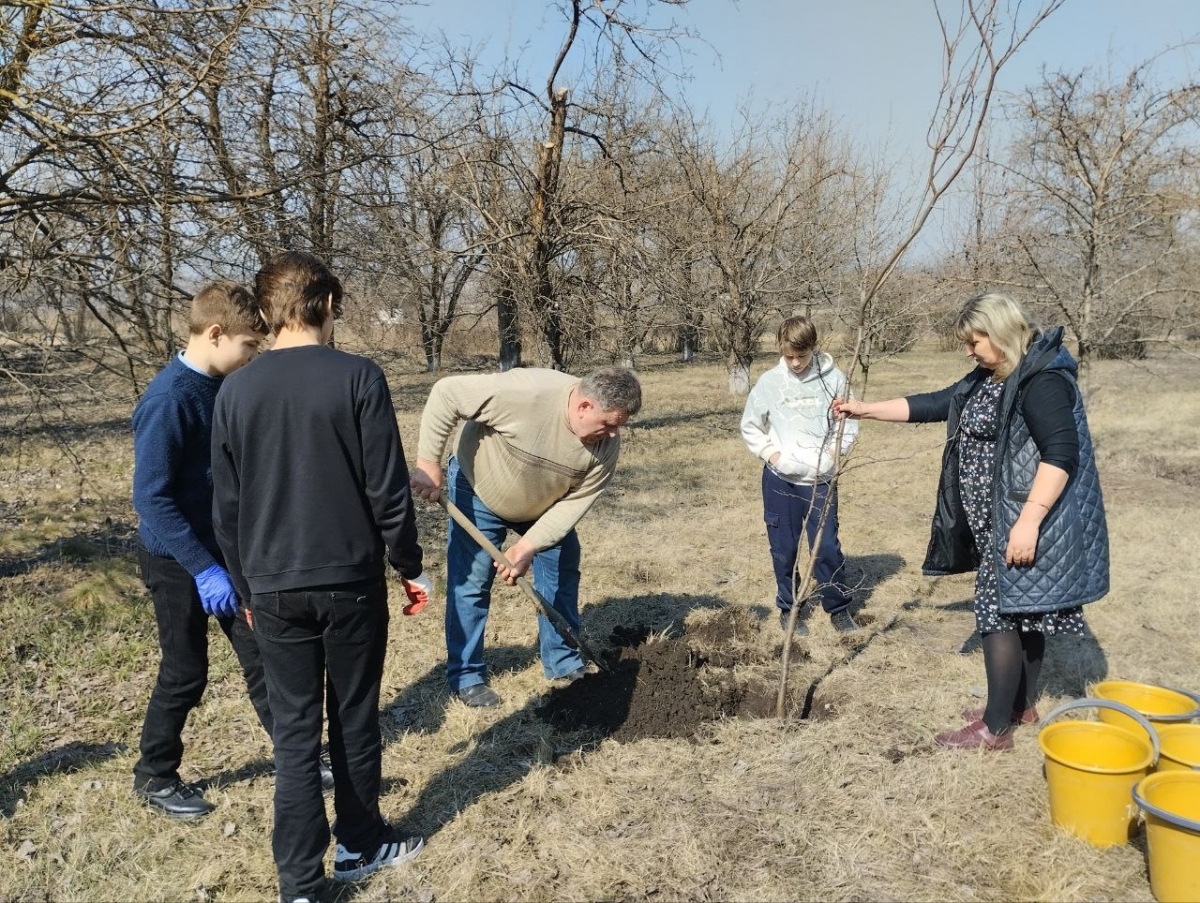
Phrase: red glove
(419, 591)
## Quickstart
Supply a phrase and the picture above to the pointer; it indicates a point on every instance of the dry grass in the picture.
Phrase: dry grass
(851, 803)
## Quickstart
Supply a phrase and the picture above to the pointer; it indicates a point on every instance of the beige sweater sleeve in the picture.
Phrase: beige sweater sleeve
(453, 398)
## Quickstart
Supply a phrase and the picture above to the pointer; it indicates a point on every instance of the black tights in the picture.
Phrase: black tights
(1013, 661)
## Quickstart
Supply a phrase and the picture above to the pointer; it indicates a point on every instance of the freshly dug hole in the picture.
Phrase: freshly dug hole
(667, 687)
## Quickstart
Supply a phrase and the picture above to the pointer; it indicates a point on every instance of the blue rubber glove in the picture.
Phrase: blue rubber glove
(217, 595)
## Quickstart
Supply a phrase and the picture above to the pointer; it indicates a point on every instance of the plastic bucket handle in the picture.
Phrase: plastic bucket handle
(1187, 716)
(1173, 818)
(1090, 703)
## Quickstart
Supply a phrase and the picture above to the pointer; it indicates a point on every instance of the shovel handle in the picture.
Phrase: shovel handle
(490, 547)
(557, 621)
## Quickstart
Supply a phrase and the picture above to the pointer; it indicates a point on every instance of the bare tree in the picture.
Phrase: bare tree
(750, 204)
(616, 37)
(1108, 175)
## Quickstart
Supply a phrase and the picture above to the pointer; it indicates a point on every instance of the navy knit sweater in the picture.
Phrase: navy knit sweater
(172, 469)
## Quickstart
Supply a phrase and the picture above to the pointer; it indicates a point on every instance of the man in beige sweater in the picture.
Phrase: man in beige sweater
(537, 449)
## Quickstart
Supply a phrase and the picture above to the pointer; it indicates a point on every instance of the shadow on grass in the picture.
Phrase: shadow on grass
(866, 572)
(1073, 661)
(116, 538)
(420, 708)
(723, 417)
(961, 605)
(73, 431)
(509, 749)
(73, 756)
(249, 771)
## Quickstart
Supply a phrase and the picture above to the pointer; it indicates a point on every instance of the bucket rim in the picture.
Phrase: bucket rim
(1173, 718)
(1164, 777)
(1167, 731)
(1147, 760)
(1089, 702)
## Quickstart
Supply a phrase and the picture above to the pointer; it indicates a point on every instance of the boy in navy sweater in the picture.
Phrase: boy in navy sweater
(311, 505)
(180, 560)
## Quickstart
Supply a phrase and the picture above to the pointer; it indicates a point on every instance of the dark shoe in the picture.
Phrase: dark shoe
(478, 696)
(843, 621)
(298, 898)
(177, 800)
(975, 736)
(348, 866)
(1019, 718)
(581, 671)
(801, 627)
(326, 774)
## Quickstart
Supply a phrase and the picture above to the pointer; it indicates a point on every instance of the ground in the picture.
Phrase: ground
(668, 779)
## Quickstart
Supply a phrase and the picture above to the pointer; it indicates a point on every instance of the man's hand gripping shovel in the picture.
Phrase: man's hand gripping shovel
(557, 621)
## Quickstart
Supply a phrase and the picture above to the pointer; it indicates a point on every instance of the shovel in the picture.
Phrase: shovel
(557, 621)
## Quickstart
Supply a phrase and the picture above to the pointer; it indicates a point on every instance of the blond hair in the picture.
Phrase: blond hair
(1006, 324)
(228, 305)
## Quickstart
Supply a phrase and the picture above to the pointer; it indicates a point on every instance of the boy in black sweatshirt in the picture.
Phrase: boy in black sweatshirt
(311, 503)
(180, 562)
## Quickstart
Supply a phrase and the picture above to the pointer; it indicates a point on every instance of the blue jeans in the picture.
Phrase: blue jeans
(791, 511)
(469, 576)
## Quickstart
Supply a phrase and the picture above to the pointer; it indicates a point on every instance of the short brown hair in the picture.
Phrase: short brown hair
(227, 304)
(798, 334)
(292, 289)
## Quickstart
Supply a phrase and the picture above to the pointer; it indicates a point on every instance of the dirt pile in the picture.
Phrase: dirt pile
(663, 686)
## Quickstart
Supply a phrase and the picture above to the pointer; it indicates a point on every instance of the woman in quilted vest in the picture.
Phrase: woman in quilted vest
(1018, 502)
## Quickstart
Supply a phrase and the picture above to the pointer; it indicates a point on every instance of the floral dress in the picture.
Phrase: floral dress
(976, 476)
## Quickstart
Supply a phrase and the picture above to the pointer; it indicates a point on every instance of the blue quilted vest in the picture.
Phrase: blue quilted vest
(1071, 566)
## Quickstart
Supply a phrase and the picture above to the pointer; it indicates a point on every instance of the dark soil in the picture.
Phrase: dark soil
(668, 687)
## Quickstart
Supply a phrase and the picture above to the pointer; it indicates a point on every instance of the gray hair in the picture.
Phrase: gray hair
(613, 389)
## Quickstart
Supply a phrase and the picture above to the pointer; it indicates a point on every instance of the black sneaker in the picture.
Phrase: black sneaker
(801, 627)
(478, 696)
(298, 898)
(843, 621)
(178, 800)
(326, 774)
(348, 866)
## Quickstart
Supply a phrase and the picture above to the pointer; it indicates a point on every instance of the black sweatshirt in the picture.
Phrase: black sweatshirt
(1047, 404)
(309, 477)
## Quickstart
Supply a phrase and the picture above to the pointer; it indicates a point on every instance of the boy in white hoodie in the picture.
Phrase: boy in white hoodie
(789, 425)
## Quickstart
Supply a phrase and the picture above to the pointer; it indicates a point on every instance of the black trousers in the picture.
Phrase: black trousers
(316, 643)
(183, 671)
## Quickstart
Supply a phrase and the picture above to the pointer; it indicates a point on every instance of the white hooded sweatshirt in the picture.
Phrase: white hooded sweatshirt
(790, 414)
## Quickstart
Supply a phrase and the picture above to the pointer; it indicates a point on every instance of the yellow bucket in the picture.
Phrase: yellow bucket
(1160, 705)
(1091, 770)
(1180, 747)
(1171, 802)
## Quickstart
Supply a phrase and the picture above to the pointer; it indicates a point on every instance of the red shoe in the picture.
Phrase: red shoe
(1018, 718)
(975, 736)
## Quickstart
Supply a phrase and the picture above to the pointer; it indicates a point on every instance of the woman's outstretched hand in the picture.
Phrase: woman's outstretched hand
(847, 407)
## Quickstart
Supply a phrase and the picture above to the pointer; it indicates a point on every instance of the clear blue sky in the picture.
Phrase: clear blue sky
(873, 63)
